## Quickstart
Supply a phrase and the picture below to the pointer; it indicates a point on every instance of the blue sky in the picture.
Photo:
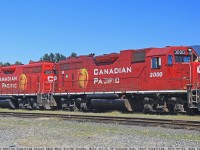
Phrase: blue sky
(31, 28)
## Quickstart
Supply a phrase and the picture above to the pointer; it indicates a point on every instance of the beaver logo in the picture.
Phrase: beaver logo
(82, 78)
(22, 82)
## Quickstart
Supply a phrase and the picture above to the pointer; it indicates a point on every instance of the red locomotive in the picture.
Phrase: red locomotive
(26, 86)
(151, 79)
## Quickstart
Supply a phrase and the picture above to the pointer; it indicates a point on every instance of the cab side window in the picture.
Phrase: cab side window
(170, 60)
(155, 62)
(180, 59)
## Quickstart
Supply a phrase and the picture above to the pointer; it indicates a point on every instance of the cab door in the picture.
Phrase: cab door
(179, 71)
(182, 75)
(155, 76)
(173, 71)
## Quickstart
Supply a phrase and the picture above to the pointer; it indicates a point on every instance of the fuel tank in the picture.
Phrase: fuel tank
(111, 104)
(6, 102)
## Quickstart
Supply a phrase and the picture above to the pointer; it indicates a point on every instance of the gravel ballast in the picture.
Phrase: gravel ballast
(52, 132)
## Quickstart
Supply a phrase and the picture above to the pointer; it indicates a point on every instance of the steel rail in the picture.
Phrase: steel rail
(169, 123)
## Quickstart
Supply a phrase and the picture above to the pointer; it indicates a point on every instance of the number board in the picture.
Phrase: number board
(179, 52)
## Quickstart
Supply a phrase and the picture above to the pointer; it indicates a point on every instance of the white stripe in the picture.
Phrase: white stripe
(139, 92)
(18, 94)
(164, 91)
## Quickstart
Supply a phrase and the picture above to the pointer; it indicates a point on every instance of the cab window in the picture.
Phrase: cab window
(195, 58)
(170, 60)
(155, 62)
(182, 58)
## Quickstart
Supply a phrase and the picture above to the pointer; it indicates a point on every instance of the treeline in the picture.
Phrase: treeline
(49, 57)
(53, 57)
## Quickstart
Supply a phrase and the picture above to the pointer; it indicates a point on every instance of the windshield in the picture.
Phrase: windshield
(182, 58)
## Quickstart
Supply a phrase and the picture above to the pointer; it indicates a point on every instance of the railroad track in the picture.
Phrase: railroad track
(170, 123)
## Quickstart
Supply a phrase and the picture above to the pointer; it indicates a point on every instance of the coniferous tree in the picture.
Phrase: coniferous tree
(53, 57)
(18, 63)
(6, 64)
(73, 54)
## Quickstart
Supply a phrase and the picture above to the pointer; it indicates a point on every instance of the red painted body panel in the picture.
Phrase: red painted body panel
(33, 78)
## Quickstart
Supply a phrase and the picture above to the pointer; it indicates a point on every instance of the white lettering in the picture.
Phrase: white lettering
(95, 80)
(123, 70)
(116, 70)
(55, 78)
(105, 71)
(95, 71)
(129, 69)
(112, 71)
(100, 72)
(106, 80)
(8, 78)
(156, 74)
(116, 80)
(9, 85)
(51, 78)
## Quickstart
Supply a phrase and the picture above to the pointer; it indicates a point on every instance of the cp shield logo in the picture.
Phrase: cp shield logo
(198, 69)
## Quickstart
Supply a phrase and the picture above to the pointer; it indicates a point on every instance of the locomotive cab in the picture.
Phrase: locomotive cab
(174, 74)
(187, 65)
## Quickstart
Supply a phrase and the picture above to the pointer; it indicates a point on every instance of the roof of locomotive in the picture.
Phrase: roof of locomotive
(158, 51)
(31, 63)
(113, 56)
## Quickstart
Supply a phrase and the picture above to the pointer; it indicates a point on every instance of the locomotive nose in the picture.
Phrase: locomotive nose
(197, 75)
(198, 69)
(197, 80)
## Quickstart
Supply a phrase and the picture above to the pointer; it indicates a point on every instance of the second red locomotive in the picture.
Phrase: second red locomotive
(28, 86)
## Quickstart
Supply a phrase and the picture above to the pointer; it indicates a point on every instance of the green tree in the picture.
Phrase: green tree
(45, 57)
(6, 64)
(53, 57)
(73, 54)
(59, 57)
(18, 63)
